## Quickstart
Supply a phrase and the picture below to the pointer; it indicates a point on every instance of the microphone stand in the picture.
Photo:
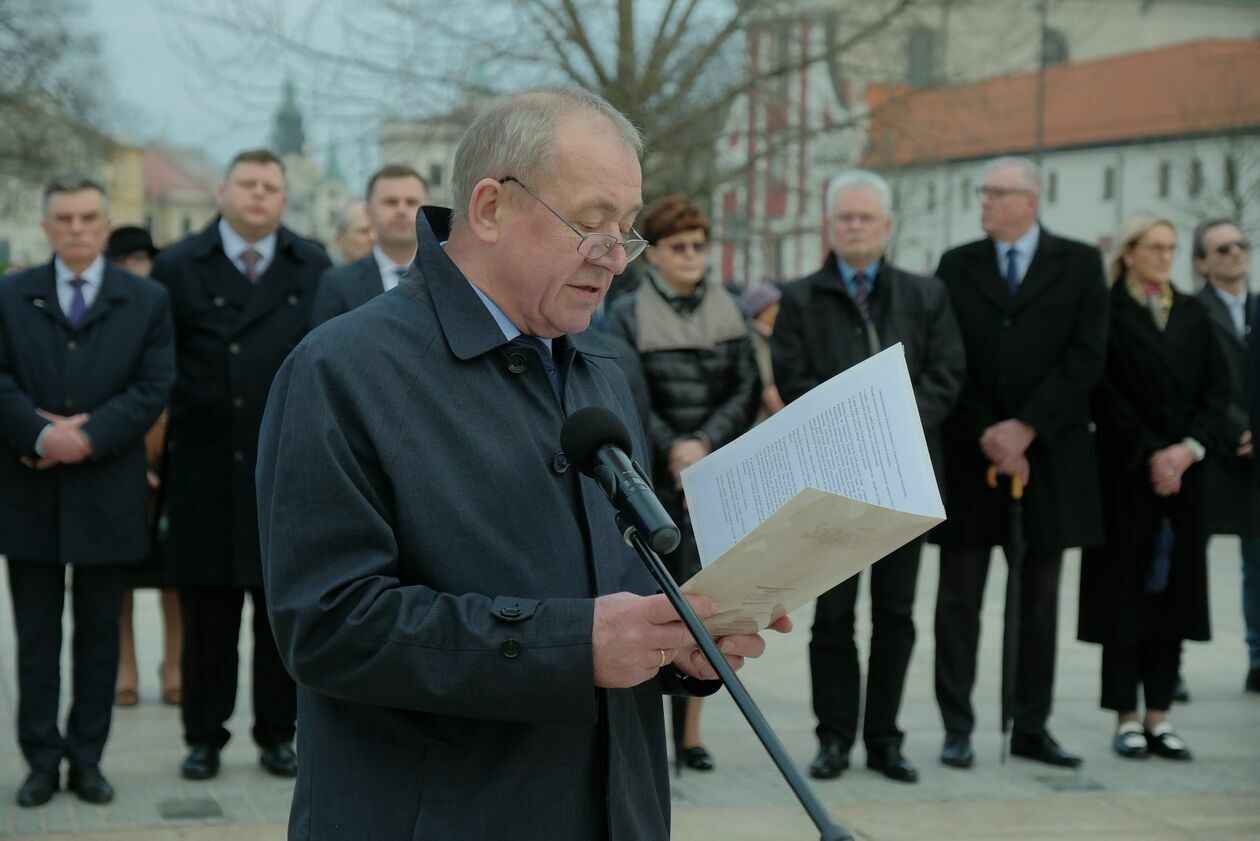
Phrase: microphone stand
(830, 831)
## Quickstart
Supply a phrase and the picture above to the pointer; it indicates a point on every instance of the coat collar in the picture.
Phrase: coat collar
(208, 241)
(1041, 274)
(39, 287)
(469, 327)
(1219, 313)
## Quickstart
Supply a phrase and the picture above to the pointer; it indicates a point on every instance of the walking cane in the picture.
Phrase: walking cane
(1014, 549)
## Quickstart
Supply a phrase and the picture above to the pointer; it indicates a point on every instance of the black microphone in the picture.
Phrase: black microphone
(596, 442)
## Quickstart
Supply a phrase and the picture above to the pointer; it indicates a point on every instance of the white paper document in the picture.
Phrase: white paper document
(811, 496)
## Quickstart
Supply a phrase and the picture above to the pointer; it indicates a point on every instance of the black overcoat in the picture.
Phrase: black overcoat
(117, 365)
(230, 338)
(342, 288)
(820, 333)
(1159, 388)
(430, 560)
(1232, 497)
(1034, 356)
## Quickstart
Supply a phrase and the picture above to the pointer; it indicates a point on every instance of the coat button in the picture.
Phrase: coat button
(560, 463)
(219, 300)
(238, 456)
(72, 345)
(1006, 322)
(510, 612)
(1002, 380)
(516, 363)
(293, 300)
(510, 649)
(234, 349)
(69, 403)
(238, 402)
(857, 331)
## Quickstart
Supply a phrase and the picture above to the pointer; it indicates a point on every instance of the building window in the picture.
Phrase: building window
(1052, 187)
(1109, 183)
(931, 196)
(1054, 47)
(921, 57)
(1231, 175)
(1165, 178)
(966, 193)
(435, 175)
(1196, 178)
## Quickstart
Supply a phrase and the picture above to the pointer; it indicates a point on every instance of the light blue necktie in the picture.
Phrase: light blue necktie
(78, 304)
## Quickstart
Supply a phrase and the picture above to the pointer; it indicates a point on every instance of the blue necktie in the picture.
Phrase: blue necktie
(549, 363)
(400, 271)
(1012, 270)
(78, 304)
(861, 295)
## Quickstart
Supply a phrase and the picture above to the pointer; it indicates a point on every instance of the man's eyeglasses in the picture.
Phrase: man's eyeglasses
(595, 246)
(681, 248)
(1224, 248)
(986, 191)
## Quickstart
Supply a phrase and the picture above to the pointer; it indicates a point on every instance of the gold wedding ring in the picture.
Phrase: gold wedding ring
(664, 658)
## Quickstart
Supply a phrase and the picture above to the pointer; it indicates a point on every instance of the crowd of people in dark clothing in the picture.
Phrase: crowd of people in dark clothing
(133, 383)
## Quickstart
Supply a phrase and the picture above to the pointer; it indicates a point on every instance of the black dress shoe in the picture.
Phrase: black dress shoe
(202, 763)
(832, 761)
(1181, 692)
(38, 788)
(90, 784)
(279, 760)
(1043, 748)
(1130, 741)
(889, 762)
(696, 758)
(1252, 683)
(957, 752)
(1163, 741)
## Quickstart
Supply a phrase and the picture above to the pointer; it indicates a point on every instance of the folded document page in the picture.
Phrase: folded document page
(811, 496)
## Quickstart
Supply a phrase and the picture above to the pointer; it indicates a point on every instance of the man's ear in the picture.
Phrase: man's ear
(485, 210)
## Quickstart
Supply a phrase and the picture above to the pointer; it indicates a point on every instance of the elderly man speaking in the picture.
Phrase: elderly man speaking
(476, 650)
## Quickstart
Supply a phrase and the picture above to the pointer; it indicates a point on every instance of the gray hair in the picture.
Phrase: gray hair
(515, 136)
(858, 178)
(343, 218)
(72, 182)
(1030, 171)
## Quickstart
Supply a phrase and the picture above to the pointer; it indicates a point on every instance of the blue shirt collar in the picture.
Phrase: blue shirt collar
(847, 273)
(510, 330)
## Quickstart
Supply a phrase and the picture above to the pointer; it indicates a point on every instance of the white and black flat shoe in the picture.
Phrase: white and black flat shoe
(1130, 740)
(1164, 741)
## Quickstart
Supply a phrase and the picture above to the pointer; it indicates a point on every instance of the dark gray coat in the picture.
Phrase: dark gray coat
(1231, 496)
(1035, 356)
(117, 365)
(231, 337)
(342, 288)
(819, 333)
(430, 562)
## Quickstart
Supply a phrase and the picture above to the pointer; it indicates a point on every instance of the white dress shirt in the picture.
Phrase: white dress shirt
(389, 269)
(93, 274)
(1237, 307)
(234, 245)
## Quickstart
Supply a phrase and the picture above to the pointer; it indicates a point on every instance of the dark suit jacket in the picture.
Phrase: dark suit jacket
(342, 288)
(231, 337)
(819, 333)
(431, 561)
(117, 365)
(1035, 356)
(1232, 498)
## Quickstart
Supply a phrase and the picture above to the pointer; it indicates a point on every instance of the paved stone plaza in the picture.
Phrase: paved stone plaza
(1214, 798)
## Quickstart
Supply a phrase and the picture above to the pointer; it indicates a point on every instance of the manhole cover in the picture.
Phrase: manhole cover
(1073, 783)
(174, 810)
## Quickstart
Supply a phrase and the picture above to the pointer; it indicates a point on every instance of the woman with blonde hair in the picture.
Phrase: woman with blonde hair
(1158, 411)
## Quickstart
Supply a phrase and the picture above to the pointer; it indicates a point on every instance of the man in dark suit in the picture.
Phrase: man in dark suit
(86, 365)
(476, 650)
(855, 306)
(394, 195)
(241, 292)
(1033, 311)
(1222, 256)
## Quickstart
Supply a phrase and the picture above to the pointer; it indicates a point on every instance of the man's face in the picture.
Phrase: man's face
(76, 226)
(547, 288)
(356, 240)
(859, 226)
(252, 198)
(1227, 256)
(1008, 206)
(392, 208)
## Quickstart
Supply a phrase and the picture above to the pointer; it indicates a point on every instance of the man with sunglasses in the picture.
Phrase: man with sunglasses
(1222, 256)
(1032, 307)
(478, 652)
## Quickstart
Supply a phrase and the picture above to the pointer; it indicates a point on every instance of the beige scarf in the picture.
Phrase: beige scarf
(717, 319)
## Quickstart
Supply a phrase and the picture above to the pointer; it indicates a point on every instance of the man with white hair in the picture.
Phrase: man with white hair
(1033, 311)
(478, 652)
(857, 304)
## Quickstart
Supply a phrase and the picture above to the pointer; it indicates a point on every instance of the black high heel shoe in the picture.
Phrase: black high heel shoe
(695, 758)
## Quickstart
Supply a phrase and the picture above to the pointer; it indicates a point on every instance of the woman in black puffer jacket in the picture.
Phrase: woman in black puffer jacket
(701, 370)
